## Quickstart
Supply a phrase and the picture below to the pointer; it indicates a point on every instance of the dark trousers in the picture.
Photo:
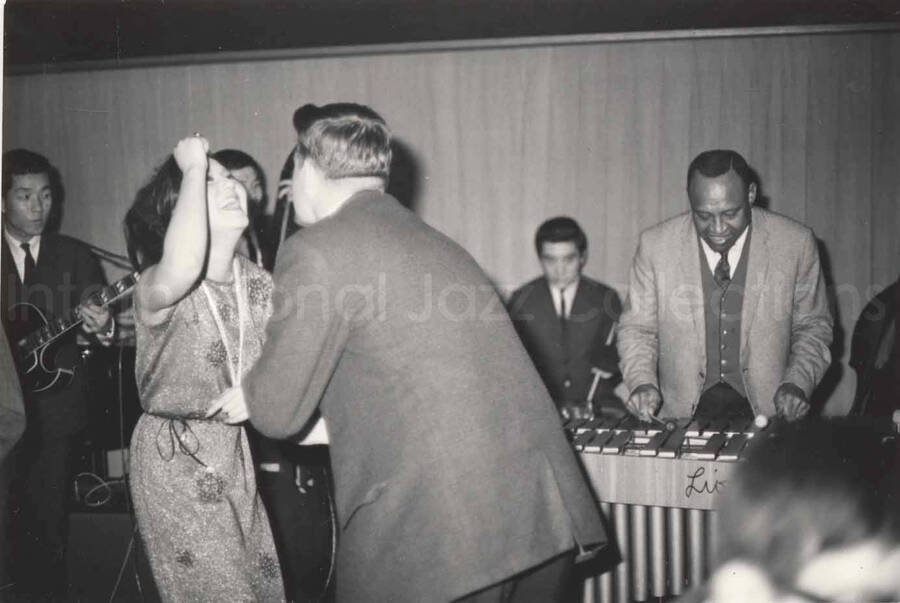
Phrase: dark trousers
(5, 485)
(722, 400)
(550, 582)
(39, 521)
(297, 497)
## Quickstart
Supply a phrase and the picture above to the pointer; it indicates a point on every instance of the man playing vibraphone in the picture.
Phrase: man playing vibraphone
(726, 311)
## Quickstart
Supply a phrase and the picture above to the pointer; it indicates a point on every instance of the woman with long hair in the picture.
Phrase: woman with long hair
(200, 313)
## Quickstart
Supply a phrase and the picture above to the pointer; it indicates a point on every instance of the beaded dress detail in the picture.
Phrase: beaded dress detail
(200, 517)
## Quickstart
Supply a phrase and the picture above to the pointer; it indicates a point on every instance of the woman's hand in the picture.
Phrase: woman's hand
(187, 236)
(231, 405)
(191, 152)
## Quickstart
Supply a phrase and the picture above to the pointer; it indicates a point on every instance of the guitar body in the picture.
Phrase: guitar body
(50, 367)
(47, 355)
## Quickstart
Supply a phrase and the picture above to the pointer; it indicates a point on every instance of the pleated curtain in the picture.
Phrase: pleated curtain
(492, 141)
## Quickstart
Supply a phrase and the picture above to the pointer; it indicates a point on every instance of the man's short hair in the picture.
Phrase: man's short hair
(717, 162)
(345, 140)
(560, 229)
(19, 162)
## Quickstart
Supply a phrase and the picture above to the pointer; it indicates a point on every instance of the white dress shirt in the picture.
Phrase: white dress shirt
(568, 293)
(18, 253)
(734, 254)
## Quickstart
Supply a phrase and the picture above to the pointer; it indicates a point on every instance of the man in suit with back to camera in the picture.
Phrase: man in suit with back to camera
(54, 273)
(567, 323)
(727, 302)
(453, 478)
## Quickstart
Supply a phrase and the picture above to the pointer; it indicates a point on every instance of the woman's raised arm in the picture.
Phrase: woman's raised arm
(187, 236)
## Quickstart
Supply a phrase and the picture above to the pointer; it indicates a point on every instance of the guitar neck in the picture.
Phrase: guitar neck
(56, 327)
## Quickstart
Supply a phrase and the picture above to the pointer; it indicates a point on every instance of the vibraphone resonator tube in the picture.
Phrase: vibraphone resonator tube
(658, 483)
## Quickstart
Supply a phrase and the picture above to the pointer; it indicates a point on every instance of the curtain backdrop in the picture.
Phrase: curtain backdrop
(497, 140)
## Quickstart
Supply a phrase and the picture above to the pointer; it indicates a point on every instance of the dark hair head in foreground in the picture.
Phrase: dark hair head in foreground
(813, 502)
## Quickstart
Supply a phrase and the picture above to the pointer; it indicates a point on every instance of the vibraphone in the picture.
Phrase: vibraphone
(658, 486)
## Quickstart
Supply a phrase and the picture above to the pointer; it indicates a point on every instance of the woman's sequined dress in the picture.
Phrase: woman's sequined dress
(202, 522)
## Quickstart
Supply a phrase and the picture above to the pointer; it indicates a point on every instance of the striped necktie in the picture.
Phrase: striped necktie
(723, 270)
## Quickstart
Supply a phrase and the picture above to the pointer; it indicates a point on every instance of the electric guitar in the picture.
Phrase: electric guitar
(42, 364)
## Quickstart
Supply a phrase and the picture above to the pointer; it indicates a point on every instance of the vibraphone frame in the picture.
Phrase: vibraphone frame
(658, 488)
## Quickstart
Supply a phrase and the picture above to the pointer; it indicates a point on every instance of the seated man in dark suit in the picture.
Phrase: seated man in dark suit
(567, 323)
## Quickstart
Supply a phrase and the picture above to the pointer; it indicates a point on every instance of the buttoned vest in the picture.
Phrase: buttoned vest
(722, 308)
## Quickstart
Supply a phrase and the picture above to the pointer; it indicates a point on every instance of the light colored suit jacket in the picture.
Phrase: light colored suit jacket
(451, 469)
(786, 325)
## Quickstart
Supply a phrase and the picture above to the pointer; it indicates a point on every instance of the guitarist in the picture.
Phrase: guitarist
(55, 273)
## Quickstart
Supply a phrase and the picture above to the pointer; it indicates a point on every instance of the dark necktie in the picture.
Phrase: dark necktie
(564, 338)
(723, 270)
(562, 307)
(29, 264)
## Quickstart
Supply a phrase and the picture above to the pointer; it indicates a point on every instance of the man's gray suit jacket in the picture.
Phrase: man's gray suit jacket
(786, 325)
(451, 468)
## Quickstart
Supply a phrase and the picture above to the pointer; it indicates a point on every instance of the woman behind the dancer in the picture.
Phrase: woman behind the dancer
(200, 312)
(254, 243)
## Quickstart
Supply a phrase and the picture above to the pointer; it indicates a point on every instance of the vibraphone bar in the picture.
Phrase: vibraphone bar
(658, 486)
